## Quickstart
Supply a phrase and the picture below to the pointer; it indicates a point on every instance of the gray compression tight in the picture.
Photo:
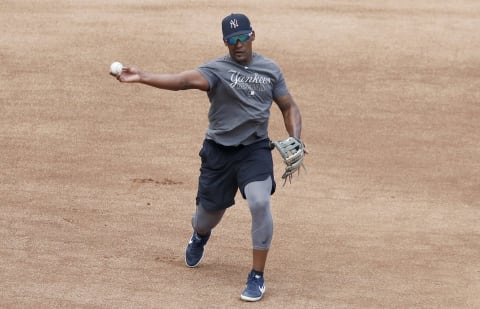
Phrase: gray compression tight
(258, 199)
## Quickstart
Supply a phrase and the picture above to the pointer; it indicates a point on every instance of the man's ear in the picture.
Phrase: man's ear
(225, 42)
(253, 35)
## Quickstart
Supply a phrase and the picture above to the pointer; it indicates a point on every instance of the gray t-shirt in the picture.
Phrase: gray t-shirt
(241, 97)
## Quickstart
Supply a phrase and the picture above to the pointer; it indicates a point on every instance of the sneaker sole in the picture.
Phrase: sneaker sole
(247, 298)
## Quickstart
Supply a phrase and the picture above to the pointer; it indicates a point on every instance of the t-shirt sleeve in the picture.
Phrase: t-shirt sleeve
(280, 88)
(208, 71)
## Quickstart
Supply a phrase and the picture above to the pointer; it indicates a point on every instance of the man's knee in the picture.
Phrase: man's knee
(204, 221)
(260, 204)
(258, 195)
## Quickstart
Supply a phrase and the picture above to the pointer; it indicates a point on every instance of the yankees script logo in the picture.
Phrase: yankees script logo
(254, 81)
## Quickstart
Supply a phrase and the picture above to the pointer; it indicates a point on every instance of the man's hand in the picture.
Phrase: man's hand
(128, 75)
(292, 151)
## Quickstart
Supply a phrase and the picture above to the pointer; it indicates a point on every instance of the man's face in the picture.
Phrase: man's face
(241, 52)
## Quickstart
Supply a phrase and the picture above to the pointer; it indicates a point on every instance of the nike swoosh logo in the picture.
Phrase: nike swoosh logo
(262, 289)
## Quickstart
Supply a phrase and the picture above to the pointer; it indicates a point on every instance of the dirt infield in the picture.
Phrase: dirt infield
(98, 178)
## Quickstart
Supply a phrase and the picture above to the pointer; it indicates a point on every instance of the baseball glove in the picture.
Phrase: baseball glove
(292, 152)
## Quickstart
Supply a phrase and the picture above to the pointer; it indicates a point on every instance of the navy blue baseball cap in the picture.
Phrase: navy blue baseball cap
(235, 24)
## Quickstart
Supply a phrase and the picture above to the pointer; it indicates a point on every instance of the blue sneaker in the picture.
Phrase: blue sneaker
(195, 249)
(254, 289)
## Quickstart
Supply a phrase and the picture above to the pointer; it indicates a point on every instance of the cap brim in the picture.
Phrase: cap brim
(237, 33)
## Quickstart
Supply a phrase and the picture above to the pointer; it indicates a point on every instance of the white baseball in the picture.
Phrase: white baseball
(116, 68)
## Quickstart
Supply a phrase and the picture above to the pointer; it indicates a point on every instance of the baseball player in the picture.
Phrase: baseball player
(236, 152)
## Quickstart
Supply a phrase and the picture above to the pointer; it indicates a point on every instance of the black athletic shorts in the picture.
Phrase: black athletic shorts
(225, 169)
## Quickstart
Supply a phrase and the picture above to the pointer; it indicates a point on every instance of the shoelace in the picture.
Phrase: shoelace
(197, 241)
(254, 279)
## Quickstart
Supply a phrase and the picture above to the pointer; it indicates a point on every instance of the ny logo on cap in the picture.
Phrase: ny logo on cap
(233, 24)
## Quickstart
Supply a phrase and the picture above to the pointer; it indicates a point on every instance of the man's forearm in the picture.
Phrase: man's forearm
(162, 81)
(293, 122)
